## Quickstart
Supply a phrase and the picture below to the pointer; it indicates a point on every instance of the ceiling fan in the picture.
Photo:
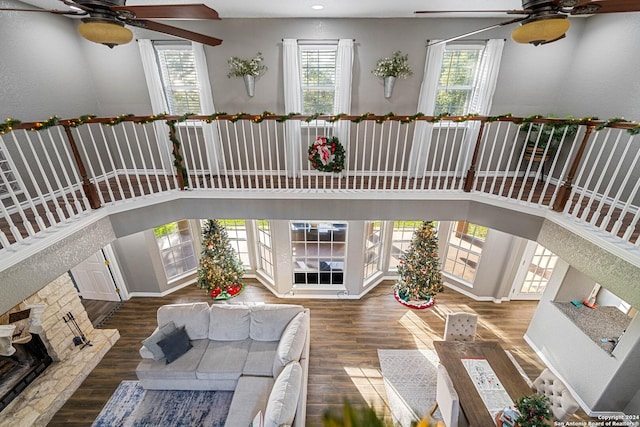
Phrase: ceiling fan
(545, 21)
(103, 21)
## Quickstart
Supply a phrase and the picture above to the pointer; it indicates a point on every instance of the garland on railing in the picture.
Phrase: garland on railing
(151, 119)
(410, 119)
(609, 122)
(177, 157)
(8, 125)
(386, 117)
(82, 120)
(362, 117)
(119, 119)
(264, 115)
(214, 116)
(496, 118)
(438, 117)
(50, 122)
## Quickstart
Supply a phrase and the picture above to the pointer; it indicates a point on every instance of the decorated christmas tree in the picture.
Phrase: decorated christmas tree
(419, 270)
(220, 271)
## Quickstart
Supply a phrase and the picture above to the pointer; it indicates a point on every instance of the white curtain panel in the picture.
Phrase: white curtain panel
(426, 105)
(211, 131)
(292, 104)
(482, 96)
(158, 101)
(344, 73)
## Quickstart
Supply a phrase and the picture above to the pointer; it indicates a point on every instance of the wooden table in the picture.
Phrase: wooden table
(450, 353)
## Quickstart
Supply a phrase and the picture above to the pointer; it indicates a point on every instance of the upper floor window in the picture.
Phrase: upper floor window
(464, 249)
(318, 78)
(179, 77)
(458, 78)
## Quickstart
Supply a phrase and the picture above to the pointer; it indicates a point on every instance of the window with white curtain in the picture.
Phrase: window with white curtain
(458, 78)
(265, 251)
(179, 77)
(175, 242)
(318, 77)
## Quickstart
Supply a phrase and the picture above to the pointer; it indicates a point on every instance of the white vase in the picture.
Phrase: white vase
(250, 84)
(389, 81)
(6, 334)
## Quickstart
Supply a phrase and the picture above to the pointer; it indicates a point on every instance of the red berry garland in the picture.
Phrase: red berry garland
(326, 154)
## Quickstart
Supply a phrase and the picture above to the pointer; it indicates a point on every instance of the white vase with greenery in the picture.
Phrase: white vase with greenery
(391, 69)
(248, 69)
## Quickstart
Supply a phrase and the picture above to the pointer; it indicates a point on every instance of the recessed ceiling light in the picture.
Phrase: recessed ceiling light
(317, 7)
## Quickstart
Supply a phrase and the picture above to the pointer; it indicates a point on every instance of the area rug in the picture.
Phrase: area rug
(131, 405)
(410, 382)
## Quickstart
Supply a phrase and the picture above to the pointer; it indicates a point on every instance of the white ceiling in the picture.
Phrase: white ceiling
(332, 8)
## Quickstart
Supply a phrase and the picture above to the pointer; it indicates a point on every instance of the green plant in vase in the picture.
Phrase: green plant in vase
(392, 68)
(248, 69)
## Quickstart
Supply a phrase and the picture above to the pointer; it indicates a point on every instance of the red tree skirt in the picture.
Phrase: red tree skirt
(228, 293)
(418, 305)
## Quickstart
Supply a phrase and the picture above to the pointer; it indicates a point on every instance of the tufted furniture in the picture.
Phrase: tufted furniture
(563, 405)
(460, 327)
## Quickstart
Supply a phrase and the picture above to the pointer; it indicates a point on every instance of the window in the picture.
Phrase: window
(401, 240)
(318, 250)
(237, 233)
(464, 249)
(264, 247)
(458, 77)
(177, 65)
(176, 248)
(373, 239)
(318, 78)
(539, 271)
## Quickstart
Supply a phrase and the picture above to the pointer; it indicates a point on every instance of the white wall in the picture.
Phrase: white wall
(43, 70)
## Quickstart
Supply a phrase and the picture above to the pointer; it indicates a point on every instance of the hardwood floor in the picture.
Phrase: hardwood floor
(345, 336)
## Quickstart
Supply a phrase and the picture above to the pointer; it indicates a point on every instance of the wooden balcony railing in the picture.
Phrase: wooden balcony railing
(51, 172)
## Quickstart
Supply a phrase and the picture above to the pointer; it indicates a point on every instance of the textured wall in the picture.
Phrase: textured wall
(615, 274)
(28, 276)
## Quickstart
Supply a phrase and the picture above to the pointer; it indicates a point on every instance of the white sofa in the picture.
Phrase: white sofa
(260, 351)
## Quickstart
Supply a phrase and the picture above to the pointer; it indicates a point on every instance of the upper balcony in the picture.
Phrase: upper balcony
(584, 171)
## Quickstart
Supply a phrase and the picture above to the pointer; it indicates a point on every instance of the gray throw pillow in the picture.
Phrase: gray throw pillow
(152, 342)
(175, 345)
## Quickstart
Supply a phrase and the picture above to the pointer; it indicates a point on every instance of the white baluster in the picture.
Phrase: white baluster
(53, 172)
(39, 221)
(50, 216)
(122, 162)
(136, 170)
(586, 161)
(114, 170)
(156, 176)
(70, 165)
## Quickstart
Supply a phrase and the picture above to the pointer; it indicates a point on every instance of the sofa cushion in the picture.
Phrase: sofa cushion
(151, 343)
(291, 343)
(260, 359)
(283, 399)
(268, 321)
(175, 345)
(229, 322)
(183, 368)
(194, 317)
(250, 396)
(223, 360)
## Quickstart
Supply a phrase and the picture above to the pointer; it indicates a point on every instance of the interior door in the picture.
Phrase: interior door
(94, 279)
(534, 272)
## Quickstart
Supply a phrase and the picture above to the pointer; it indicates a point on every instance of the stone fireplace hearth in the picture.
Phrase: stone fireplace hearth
(36, 405)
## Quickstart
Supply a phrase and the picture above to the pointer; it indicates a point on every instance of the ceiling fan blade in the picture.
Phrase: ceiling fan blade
(178, 32)
(491, 27)
(170, 11)
(55, 12)
(509, 12)
(608, 6)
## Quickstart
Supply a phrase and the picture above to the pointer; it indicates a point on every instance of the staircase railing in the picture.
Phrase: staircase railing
(53, 171)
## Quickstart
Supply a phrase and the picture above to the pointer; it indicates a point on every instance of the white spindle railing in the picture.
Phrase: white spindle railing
(134, 158)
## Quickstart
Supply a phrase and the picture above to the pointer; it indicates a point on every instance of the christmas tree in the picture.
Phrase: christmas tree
(220, 271)
(419, 269)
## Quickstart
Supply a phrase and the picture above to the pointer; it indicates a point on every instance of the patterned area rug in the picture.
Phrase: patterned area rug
(131, 405)
(410, 382)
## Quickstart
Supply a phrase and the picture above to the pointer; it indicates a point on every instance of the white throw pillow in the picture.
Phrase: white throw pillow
(229, 322)
(291, 343)
(283, 400)
(268, 321)
(193, 316)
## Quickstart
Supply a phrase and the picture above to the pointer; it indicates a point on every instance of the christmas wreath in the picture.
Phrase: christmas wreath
(326, 154)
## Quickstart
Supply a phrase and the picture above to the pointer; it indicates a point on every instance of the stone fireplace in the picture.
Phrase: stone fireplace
(40, 400)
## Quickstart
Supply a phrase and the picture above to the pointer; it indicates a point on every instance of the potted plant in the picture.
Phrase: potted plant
(392, 68)
(248, 69)
(533, 411)
(547, 134)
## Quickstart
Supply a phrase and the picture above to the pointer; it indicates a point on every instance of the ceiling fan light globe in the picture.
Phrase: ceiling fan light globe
(541, 31)
(106, 33)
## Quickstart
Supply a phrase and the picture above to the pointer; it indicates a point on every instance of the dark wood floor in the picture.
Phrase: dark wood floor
(345, 337)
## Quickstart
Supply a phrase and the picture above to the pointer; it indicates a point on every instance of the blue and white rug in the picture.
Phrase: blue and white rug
(131, 405)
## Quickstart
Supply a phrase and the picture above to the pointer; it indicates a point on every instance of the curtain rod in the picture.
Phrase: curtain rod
(317, 40)
(465, 41)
